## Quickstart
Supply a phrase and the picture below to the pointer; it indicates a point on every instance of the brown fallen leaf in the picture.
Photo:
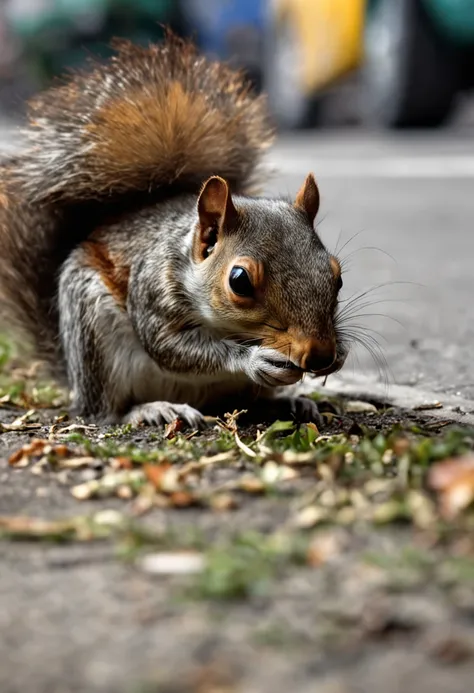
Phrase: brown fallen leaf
(164, 477)
(38, 447)
(427, 406)
(173, 428)
(184, 499)
(222, 502)
(313, 427)
(324, 547)
(454, 480)
(21, 526)
(121, 463)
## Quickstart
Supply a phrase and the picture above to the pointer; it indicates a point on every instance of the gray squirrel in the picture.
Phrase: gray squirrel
(135, 259)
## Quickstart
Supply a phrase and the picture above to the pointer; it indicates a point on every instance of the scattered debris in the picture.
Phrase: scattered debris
(21, 423)
(427, 406)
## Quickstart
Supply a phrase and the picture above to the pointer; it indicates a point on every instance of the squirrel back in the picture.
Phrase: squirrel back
(149, 123)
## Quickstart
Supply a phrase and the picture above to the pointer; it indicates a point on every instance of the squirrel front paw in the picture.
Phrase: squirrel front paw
(161, 413)
(270, 368)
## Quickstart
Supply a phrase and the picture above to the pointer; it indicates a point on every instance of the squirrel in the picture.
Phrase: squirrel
(136, 259)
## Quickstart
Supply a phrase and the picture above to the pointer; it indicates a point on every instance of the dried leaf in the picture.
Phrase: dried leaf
(34, 528)
(86, 490)
(18, 425)
(454, 480)
(38, 447)
(442, 474)
(323, 548)
(230, 420)
(109, 518)
(172, 429)
(73, 427)
(251, 484)
(359, 407)
(421, 508)
(203, 462)
(388, 512)
(121, 463)
(184, 499)
(272, 473)
(243, 447)
(182, 563)
(222, 502)
(427, 406)
(289, 457)
(76, 462)
(124, 493)
(155, 473)
(310, 516)
(108, 485)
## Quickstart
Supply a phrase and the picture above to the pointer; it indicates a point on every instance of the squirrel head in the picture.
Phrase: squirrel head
(267, 278)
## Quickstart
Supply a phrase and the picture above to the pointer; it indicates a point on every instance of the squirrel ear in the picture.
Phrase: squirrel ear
(307, 198)
(216, 211)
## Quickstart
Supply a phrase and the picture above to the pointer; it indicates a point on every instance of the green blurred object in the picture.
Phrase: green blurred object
(61, 34)
(454, 18)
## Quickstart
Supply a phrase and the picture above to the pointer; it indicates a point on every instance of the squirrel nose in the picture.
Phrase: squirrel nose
(319, 356)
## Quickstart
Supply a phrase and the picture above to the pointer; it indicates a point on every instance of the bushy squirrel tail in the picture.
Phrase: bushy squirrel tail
(148, 123)
(161, 116)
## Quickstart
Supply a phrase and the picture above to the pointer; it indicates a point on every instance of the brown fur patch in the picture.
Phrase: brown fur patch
(112, 270)
(296, 346)
(307, 198)
(168, 131)
(335, 266)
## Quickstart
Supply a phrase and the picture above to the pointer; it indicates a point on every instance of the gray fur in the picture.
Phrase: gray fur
(168, 345)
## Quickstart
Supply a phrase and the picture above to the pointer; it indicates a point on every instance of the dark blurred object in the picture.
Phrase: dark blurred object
(419, 57)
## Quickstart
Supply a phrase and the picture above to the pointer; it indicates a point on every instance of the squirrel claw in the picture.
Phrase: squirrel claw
(161, 413)
(304, 410)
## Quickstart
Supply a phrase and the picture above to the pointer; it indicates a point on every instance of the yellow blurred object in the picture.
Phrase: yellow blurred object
(329, 34)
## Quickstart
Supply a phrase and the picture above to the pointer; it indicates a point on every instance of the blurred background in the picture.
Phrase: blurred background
(374, 96)
(394, 63)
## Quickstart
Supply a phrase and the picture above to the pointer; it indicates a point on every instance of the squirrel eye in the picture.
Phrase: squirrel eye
(239, 282)
(339, 283)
